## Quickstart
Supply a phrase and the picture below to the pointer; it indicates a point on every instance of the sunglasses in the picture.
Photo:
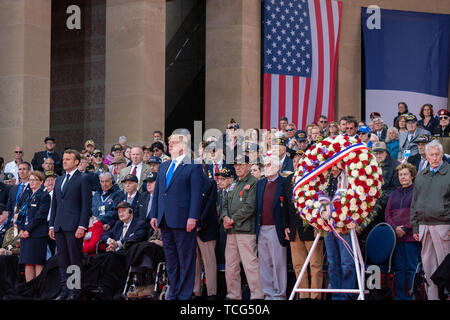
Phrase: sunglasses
(156, 150)
(18, 151)
(97, 155)
(322, 121)
(443, 118)
(290, 129)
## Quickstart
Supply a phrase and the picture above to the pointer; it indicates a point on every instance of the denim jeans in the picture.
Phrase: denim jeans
(406, 258)
(341, 266)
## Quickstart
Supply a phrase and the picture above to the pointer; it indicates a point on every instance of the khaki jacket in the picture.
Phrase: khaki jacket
(11, 242)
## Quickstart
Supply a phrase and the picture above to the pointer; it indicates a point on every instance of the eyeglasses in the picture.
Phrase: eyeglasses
(443, 118)
(323, 121)
(18, 151)
(97, 155)
(156, 150)
(291, 129)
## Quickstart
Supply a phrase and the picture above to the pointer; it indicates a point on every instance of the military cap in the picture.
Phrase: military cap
(411, 117)
(118, 160)
(49, 138)
(300, 135)
(97, 151)
(155, 159)
(422, 138)
(130, 177)
(375, 115)
(116, 147)
(50, 173)
(151, 177)
(379, 146)
(226, 173)
(281, 141)
(89, 143)
(299, 152)
(443, 112)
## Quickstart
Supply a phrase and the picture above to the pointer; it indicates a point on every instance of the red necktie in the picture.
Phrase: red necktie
(134, 171)
(216, 170)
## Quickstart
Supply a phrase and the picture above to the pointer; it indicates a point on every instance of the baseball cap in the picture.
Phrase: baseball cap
(130, 177)
(118, 160)
(379, 146)
(226, 173)
(155, 159)
(151, 177)
(422, 138)
(300, 135)
(123, 204)
(411, 117)
(50, 173)
(364, 129)
(89, 143)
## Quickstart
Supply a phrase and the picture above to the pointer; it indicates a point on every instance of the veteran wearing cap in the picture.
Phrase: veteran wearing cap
(118, 164)
(407, 147)
(154, 163)
(49, 152)
(238, 218)
(443, 130)
(89, 145)
(104, 201)
(419, 160)
(145, 204)
(279, 149)
(131, 193)
(364, 133)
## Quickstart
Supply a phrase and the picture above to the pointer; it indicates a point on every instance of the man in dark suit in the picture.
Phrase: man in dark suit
(49, 152)
(145, 203)
(71, 207)
(4, 192)
(215, 160)
(127, 229)
(279, 148)
(131, 194)
(379, 130)
(271, 212)
(19, 193)
(175, 209)
(207, 232)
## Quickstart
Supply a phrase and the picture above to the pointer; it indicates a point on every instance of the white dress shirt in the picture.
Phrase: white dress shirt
(13, 167)
(65, 179)
(138, 170)
(178, 160)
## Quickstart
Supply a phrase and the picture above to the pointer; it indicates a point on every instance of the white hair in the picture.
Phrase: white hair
(391, 129)
(109, 174)
(123, 138)
(274, 159)
(377, 119)
(434, 144)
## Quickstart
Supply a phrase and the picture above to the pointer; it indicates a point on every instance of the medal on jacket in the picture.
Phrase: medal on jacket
(241, 194)
(281, 201)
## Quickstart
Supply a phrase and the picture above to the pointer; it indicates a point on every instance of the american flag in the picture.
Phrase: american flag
(301, 39)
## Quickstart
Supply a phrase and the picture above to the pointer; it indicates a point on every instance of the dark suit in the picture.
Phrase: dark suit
(4, 192)
(288, 164)
(71, 208)
(143, 208)
(173, 206)
(13, 197)
(208, 221)
(383, 134)
(34, 248)
(280, 212)
(135, 203)
(210, 169)
(39, 158)
(135, 233)
(415, 161)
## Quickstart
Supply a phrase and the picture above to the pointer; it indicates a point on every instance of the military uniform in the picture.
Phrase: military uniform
(4, 228)
(241, 245)
(443, 134)
(11, 242)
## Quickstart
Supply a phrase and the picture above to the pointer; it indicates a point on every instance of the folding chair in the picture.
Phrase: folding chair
(379, 249)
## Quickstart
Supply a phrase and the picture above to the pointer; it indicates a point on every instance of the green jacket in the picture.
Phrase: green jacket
(241, 209)
(431, 198)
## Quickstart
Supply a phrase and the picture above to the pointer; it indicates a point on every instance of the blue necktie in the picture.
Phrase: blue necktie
(170, 173)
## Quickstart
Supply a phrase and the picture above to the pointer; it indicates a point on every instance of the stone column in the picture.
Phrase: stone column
(233, 63)
(24, 75)
(135, 70)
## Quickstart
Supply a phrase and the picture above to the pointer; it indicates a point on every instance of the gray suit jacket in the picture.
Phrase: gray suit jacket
(405, 144)
(127, 170)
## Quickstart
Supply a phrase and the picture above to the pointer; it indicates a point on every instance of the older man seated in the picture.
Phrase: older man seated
(104, 201)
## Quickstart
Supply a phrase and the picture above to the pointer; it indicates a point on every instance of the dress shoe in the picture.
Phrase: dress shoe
(146, 291)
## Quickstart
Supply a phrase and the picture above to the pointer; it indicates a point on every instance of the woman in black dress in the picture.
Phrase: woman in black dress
(33, 227)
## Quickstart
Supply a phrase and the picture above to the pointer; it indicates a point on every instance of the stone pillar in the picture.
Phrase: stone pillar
(24, 75)
(233, 63)
(135, 70)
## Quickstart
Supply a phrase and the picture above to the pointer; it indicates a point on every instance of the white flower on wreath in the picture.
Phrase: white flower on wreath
(334, 214)
(369, 182)
(380, 172)
(364, 206)
(353, 166)
(320, 157)
(314, 151)
(356, 216)
(372, 191)
(360, 190)
(351, 192)
(340, 224)
(309, 203)
(364, 214)
(353, 207)
(344, 213)
(342, 216)
(307, 194)
(368, 170)
(315, 211)
(352, 155)
(363, 178)
(308, 216)
(362, 197)
(353, 201)
(320, 221)
(363, 157)
(359, 165)
(301, 199)
(312, 192)
(354, 173)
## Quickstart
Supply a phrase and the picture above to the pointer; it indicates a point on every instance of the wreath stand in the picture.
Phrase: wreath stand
(359, 266)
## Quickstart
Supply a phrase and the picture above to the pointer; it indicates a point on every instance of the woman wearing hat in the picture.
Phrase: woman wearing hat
(33, 227)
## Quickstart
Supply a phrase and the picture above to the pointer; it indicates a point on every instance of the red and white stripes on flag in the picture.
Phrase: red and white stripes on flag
(303, 99)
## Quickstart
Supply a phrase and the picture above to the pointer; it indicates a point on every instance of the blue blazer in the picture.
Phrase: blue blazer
(208, 221)
(135, 204)
(136, 231)
(20, 201)
(182, 199)
(280, 212)
(72, 208)
(38, 208)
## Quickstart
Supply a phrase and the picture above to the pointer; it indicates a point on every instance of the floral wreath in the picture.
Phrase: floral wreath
(358, 187)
